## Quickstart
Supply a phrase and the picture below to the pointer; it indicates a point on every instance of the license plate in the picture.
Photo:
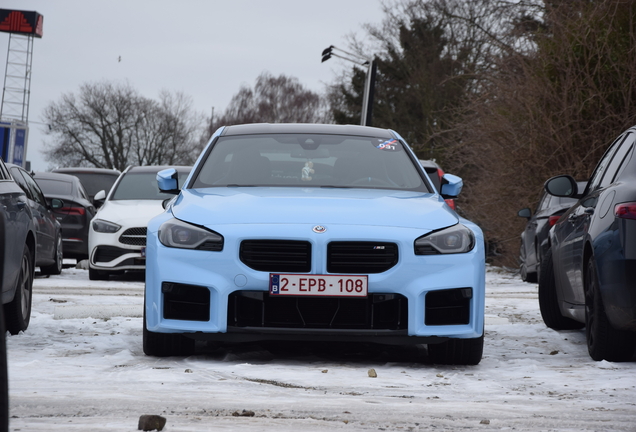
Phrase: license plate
(318, 285)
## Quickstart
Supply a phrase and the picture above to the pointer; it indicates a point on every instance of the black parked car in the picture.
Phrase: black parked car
(76, 214)
(534, 238)
(49, 251)
(588, 276)
(17, 253)
(93, 179)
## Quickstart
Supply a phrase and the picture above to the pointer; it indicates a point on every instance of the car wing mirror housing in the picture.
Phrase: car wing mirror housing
(451, 186)
(525, 213)
(56, 203)
(562, 186)
(98, 199)
(168, 182)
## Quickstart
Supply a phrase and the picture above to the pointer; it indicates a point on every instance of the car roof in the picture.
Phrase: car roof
(306, 128)
(86, 170)
(428, 163)
(55, 176)
(157, 168)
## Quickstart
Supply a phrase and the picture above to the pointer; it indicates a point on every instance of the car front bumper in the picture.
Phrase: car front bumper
(108, 254)
(227, 289)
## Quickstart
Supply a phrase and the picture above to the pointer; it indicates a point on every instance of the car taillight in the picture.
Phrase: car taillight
(625, 210)
(76, 211)
(553, 219)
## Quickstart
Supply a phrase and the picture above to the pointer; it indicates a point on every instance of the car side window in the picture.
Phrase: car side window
(82, 192)
(617, 160)
(4, 173)
(622, 159)
(601, 168)
(19, 179)
(543, 202)
(38, 196)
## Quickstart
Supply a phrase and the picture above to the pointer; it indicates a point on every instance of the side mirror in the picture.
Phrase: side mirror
(56, 203)
(562, 186)
(98, 199)
(167, 180)
(451, 186)
(525, 213)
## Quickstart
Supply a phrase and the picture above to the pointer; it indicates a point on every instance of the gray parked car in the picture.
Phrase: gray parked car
(17, 253)
(49, 251)
(534, 238)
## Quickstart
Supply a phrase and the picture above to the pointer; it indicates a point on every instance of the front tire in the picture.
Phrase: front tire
(97, 274)
(165, 344)
(18, 311)
(549, 301)
(604, 342)
(4, 388)
(56, 267)
(457, 351)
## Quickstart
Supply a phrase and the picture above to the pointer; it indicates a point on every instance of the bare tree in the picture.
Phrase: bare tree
(109, 125)
(281, 99)
(546, 111)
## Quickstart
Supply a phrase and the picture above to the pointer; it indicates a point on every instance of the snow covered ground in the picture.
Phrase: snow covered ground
(80, 367)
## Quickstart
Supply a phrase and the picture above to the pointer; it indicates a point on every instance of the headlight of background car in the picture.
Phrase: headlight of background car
(452, 240)
(177, 234)
(103, 226)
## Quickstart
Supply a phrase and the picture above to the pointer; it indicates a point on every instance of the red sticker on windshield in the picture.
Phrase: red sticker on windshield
(391, 145)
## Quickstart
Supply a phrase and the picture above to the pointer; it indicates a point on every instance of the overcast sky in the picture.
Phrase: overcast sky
(206, 49)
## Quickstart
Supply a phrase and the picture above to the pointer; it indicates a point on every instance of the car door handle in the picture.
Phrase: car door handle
(588, 211)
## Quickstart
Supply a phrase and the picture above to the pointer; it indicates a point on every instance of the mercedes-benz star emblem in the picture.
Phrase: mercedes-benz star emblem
(319, 229)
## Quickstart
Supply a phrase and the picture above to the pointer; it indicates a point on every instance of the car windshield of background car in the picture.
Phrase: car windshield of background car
(93, 183)
(309, 160)
(55, 187)
(142, 186)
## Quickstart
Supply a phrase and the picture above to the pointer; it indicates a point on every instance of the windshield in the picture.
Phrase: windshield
(94, 182)
(304, 160)
(142, 186)
(55, 187)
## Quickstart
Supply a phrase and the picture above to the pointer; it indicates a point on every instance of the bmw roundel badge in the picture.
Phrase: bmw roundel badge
(319, 229)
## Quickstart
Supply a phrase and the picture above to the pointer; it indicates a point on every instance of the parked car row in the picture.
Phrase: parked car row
(46, 216)
(231, 260)
(581, 247)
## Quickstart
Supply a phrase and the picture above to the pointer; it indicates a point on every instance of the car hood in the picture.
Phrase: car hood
(127, 212)
(218, 206)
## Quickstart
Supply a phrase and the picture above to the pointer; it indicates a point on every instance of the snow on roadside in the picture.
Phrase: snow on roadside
(90, 373)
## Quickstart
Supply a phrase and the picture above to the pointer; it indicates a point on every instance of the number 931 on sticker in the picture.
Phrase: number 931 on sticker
(318, 285)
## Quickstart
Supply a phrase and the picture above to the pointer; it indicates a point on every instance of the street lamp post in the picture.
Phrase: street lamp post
(366, 112)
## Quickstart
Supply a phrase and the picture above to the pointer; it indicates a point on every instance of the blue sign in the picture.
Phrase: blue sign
(5, 135)
(18, 147)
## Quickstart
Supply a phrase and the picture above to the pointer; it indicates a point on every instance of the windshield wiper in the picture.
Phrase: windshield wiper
(336, 187)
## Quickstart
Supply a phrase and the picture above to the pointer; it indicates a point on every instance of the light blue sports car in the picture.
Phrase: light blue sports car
(316, 233)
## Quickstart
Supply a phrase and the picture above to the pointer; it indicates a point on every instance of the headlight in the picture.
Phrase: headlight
(177, 234)
(103, 226)
(451, 240)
